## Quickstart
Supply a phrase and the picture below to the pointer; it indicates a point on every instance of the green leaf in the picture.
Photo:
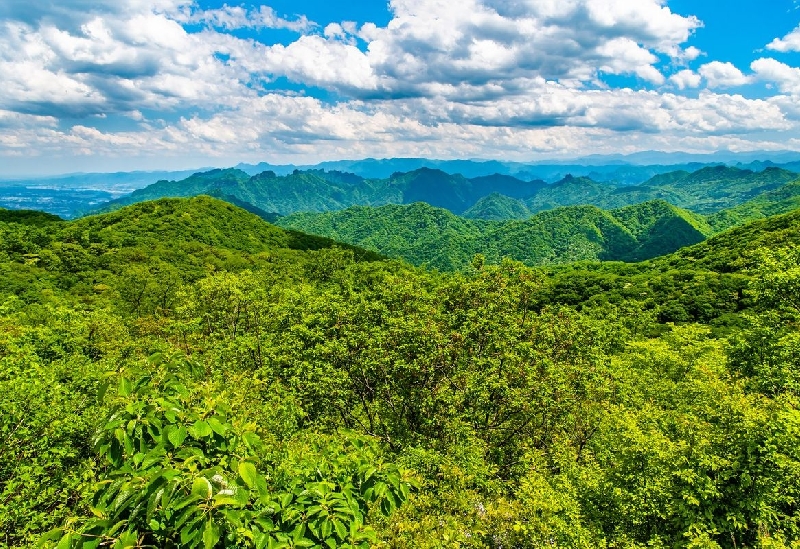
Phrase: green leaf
(341, 531)
(178, 436)
(248, 473)
(102, 390)
(50, 537)
(211, 535)
(217, 426)
(128, 539)
(65, 542)
(202, 488)
(252, 440)
(201, 429)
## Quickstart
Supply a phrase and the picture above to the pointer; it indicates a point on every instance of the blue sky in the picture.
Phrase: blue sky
(98, 85)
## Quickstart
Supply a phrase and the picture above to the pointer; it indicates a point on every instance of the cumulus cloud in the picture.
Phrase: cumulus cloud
(686, 79)
(787, 78)
(723, 75)
(238, 17)
(494, 42)
(130, 55)
(790, 42)
(491, 78)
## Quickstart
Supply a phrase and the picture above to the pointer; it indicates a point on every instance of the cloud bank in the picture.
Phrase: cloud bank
(494, 78)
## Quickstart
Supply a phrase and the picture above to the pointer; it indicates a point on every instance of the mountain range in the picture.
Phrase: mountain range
(423, 234)
(706, 190)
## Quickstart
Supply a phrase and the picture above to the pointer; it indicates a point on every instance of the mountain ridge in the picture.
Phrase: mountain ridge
(423, 234)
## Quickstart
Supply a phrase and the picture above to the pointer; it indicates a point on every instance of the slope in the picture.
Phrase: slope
(320, 191)
(418, 233)
(145, 249)
(715, 188)
(195, 184)
(498, 207)
(660, 228)
(782, 200)
(423, 234)
(706, 282)
(562, 235)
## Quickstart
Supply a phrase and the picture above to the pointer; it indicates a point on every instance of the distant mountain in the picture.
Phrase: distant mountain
(631, 169)
(457, 193)
(570, 191)
(779, 201)
(498, 207)
(423, 234)
(319, 191)
(715, 188)
(705, 191)
(646, 158)
(195, 184)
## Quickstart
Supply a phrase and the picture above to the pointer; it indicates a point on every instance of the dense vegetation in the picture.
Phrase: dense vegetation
(181, 373)
(424, 235)
(705, 191)
(493, 197)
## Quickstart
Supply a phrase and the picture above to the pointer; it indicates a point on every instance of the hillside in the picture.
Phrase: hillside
(27, 217)
(195, 184)
(426, 235)
(704, 282)
(660, 228)
(182, 373)
(147, 248)
(704, 191)
(776, 202)
(498, 207)
(719, 187)
(419, 233)
(735, 250)
(319, 191)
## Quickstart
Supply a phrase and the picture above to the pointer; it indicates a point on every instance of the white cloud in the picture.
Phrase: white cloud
(503, 78)
(723, 75)
(499, 41)
(787, 78)
(691, 53)
(790, 42)
(237, 17)
(686, 79)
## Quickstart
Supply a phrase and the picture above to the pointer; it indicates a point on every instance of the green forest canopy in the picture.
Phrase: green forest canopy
(182, 373)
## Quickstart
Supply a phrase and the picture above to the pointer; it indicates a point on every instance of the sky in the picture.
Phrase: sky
(106, 85)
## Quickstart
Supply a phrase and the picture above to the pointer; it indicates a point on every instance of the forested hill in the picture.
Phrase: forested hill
(705, 191)
(781, 200)
(432, 236)
(140, 254)
(319, 191)
(181, 373)
(705, 282)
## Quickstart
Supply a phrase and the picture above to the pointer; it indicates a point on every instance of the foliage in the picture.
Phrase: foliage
(425, 235)
(493, 197)
(178, 472)
(779, 201)
(181, 373)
